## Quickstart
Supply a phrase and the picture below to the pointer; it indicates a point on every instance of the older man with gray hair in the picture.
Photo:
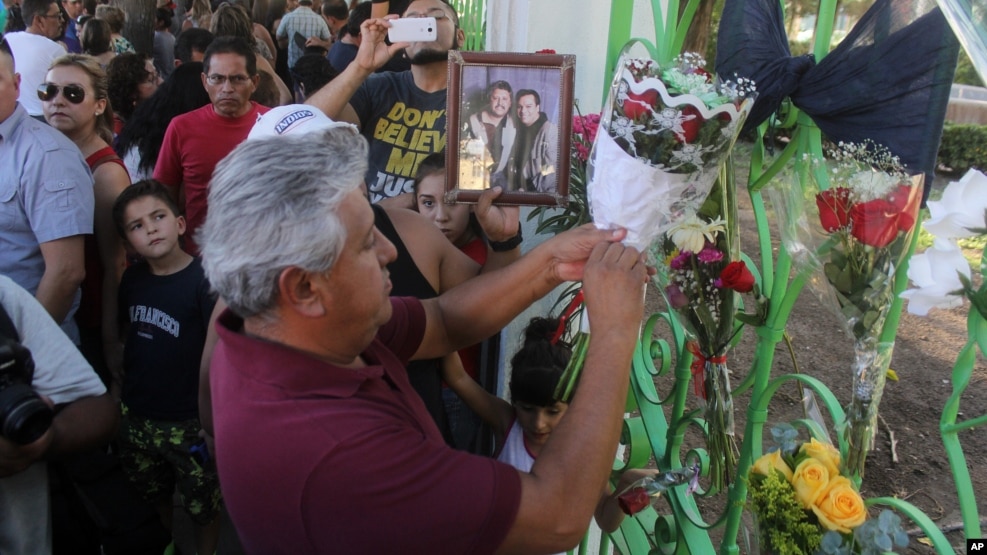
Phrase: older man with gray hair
(321, 443)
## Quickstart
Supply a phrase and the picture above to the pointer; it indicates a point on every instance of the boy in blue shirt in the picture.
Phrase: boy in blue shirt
(165, 305)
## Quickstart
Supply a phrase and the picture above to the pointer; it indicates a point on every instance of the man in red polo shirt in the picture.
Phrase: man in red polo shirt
(321, 443)
(195, 142)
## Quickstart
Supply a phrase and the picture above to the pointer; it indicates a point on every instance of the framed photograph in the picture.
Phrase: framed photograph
(509, 124)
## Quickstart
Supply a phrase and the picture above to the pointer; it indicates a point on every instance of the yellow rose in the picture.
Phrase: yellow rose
(772, 460)
(809, 481)
(824, 453)
(840, 507)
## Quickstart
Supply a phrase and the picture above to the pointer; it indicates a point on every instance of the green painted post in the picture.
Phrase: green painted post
(962, 371)
(621, 15)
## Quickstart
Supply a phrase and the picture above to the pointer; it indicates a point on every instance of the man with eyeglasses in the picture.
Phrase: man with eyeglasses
(46, 204)
(402, 114)
(196, 141)
(35, 49)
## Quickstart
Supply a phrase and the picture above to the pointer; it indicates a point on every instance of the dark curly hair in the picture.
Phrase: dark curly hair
(537, 367)
(312, 72)
(182, 92)
(126, 72)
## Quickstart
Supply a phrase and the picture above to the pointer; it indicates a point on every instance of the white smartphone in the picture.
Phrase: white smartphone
(413, 29)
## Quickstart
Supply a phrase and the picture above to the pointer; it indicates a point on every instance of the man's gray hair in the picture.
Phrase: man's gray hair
(273, 204)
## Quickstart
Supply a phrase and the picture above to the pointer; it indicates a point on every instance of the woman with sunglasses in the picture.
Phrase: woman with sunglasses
(74, 100)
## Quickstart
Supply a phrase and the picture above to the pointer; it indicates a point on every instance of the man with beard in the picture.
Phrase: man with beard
(494, 126)
(533, 163)
(402, 114)
(195, 142)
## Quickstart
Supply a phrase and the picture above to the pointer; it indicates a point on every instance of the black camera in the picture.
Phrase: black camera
(24, 416)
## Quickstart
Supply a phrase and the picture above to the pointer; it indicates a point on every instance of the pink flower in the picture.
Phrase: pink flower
(591, 128)
(709, 255)
(577, 125)
(676, 298)
(681, 261)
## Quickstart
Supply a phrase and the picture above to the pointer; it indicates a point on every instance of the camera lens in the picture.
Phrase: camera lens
(24, 417)
(429, 29)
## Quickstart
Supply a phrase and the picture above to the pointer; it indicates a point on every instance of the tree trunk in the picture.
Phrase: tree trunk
(697, 39)
(139, 27)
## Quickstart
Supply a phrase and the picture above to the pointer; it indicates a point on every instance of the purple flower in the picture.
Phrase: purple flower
(676, 297)
(718, 283)
(709, 255)
(681, 261)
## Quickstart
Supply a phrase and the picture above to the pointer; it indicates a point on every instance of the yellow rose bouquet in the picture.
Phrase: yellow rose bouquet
(803, 504)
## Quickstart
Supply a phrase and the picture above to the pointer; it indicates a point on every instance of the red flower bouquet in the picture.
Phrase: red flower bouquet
(867, 216)
(700, 276)
(665, 134)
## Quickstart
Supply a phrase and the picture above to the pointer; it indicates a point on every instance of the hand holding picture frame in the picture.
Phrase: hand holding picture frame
(509, 120)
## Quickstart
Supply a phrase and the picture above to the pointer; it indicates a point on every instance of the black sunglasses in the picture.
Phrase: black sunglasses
(73, 93)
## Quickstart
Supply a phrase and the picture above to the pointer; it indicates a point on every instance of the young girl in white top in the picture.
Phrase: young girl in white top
(523, 426)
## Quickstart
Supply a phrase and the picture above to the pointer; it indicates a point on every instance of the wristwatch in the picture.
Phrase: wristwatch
(510, 244)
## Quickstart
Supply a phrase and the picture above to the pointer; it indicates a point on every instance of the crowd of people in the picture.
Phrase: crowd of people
(214, 307)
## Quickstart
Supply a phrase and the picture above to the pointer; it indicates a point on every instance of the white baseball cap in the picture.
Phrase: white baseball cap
(293, 119)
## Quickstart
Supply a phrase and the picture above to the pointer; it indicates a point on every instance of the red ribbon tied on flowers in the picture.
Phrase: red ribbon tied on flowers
(699, 361)
(566, 314)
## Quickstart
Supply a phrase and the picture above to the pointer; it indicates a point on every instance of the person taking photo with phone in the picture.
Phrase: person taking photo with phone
(401, 114)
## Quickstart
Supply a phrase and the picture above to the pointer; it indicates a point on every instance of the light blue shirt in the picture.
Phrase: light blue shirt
(46, 193)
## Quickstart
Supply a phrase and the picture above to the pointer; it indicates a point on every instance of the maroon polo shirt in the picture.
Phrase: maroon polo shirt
(315, 458)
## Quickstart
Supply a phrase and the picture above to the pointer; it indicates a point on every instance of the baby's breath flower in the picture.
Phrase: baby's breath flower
(869, 184)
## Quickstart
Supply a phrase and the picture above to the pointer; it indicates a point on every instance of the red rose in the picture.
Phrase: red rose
(875, 222)
(633, 500)
(690, 128)
(834, 208)
(638, 105)
(545, 51)
(906, 200)
(736, 276)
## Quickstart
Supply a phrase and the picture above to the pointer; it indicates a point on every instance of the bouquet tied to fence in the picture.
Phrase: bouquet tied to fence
(866, 218)
(663, 138)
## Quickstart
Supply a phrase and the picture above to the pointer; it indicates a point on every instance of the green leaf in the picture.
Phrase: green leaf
(753, 320)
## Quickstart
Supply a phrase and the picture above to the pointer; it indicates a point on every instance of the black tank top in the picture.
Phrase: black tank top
(407, 281)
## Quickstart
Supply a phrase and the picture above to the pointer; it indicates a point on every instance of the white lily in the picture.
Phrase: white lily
(936, 275)
(692, 233)
(960, 209)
